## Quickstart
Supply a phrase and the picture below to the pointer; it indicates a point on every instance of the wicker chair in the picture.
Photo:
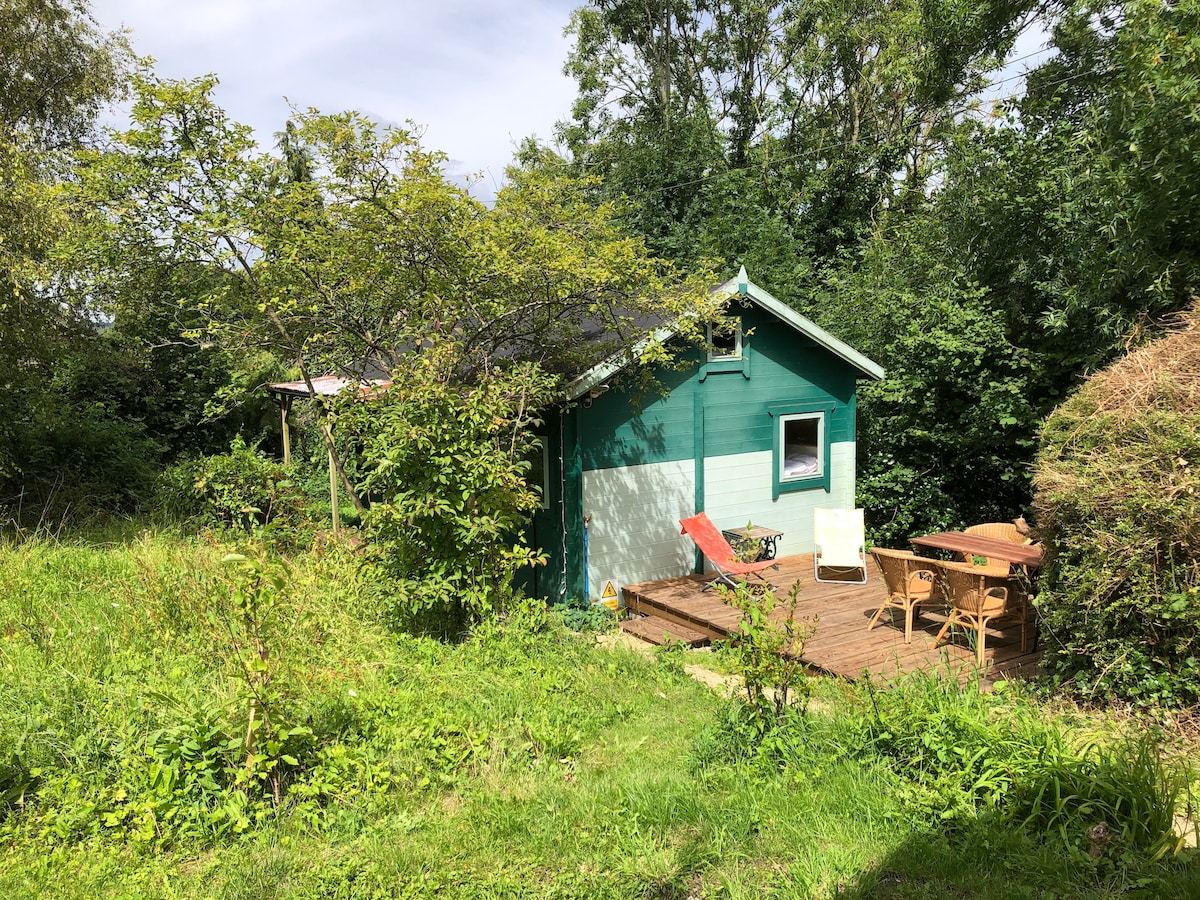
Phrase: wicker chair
(910, 581)
(1001, 531)
(978, 597)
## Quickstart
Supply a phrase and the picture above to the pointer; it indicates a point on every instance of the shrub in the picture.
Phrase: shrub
(766, 722)
(580, 615)
(449, 464)
(240, 488)
(766, 653)
(78, 461)
(1118, 505)
(996, 754)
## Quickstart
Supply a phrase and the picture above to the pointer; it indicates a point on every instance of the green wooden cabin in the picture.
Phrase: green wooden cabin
(762, 431)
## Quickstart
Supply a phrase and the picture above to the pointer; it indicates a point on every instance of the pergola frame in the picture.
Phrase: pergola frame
(287, 392)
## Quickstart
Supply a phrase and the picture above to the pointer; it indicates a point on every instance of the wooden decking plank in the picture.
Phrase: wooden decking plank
(840, 643)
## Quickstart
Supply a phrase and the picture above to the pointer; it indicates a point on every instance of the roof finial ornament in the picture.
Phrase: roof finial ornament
(743, 282)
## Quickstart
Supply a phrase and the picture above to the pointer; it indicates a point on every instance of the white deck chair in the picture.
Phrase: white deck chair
(840, 536)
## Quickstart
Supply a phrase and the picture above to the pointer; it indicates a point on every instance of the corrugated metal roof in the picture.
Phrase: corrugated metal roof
(328, 386)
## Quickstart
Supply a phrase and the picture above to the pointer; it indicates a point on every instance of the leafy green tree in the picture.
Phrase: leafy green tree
(774, 133)
(1060, 234)
(192, 395)
(365, 259)
(947, 437)
(1080, 210)
(57, 69)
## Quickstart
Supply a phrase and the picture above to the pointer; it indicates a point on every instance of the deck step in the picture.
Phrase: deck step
(659, 631)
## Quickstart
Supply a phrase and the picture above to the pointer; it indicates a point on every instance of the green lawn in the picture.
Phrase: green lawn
(527, 761)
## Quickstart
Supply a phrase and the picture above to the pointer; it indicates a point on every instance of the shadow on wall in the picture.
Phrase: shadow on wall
(624, 428)
(652, 440)
(635, 514)
(648, 442)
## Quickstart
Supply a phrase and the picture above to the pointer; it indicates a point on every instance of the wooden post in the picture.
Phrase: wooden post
(285, 407)
(333, 498)
(333, 489)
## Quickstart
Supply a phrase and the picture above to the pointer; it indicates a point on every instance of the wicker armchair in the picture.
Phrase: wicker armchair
(1000, 531)
(910, 581)
(978, 597)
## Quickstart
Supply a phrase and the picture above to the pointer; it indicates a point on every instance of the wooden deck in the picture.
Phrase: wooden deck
(841, 644)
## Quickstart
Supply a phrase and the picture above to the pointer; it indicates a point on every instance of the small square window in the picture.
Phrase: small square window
(725, 343)
(801, 447)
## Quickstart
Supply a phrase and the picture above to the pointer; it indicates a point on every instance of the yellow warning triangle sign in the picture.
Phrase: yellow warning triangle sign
(610, 590)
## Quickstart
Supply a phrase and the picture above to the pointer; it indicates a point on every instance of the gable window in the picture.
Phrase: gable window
(725, 343)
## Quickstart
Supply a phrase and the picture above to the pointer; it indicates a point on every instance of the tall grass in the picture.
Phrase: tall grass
(524, 761)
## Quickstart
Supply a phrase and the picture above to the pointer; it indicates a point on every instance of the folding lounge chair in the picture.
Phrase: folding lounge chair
(719, 554)
(840, 536)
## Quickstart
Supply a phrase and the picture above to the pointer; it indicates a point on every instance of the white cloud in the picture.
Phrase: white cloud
(479, 75)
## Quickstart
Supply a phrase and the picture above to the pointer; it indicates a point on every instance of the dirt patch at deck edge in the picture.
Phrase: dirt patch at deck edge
(725, 685)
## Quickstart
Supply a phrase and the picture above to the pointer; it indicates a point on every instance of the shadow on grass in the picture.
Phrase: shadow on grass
(988, 860)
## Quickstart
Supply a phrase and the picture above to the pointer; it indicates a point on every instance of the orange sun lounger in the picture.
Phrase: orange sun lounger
(719, 554)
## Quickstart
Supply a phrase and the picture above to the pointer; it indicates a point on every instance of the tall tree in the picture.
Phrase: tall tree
(374, 256)
(57, 69)
(1061, 234)
(776, 132)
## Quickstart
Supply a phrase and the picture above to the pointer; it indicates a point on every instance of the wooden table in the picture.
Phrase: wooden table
(977, 545)
(768, 539)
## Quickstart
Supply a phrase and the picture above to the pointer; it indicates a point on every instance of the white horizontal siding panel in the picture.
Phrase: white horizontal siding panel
(843, 456)
(634, 534)
(738, 488)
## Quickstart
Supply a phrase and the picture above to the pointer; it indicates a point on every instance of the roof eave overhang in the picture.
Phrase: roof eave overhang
(742, 287)
(600, 373)
(328, 386)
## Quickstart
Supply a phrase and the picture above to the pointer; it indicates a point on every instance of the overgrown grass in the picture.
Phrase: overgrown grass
(525, 761)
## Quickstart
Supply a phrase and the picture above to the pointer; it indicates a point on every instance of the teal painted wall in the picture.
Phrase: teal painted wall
(782, 366)
(561, 579)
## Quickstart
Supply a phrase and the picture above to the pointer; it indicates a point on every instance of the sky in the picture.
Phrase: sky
(477, 75)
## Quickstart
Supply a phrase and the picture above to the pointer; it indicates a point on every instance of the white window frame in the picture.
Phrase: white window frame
(737, 344)
(822, 462)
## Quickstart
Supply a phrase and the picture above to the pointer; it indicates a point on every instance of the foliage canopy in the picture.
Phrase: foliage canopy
(352, 253)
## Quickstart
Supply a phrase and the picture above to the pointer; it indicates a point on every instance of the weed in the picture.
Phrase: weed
(766, 652)
(1107, 801)
(976, 754)
(248, 629)
(588, 617)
